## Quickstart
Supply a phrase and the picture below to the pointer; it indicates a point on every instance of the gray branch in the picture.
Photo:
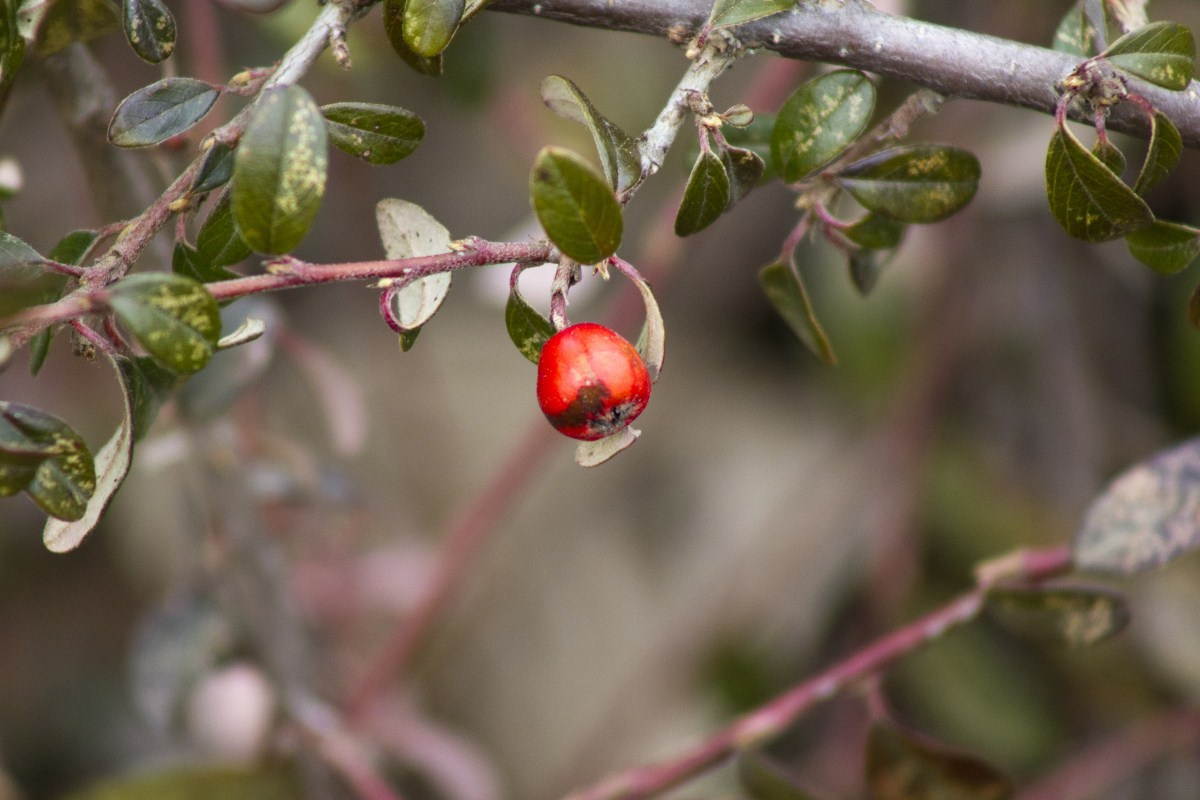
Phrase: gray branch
(952, 62)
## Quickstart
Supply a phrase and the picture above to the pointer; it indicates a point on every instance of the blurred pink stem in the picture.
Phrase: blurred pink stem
(776, 716)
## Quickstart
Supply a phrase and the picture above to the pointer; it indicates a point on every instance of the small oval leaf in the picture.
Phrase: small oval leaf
(216, 170)
(734, 12)
(1076, 616)
(745, 169)
(408, 230)
(1146, 517)
(159, 111)
(44, 456)
(218, 243)
(279, 170)
(51, 25)
(393, 25)
(1163, 53)
(819, 121)
(595, 453)
(875, 232)
(705, 197)
(1087, 199)
(429, 25)
(787, 294)
(575, 206)
(917, 184)
(150, 29)
(377, 134)
(1166, 146)
(1165, 247)
(527, 328)
(619, 155)
(173, 317)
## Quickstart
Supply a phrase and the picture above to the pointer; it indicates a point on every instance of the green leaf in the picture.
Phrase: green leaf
(1165, 247)
(1110, 156)
(734, 12)
(429, 25)
(1072, 615)
(24, 281)
(1087, 199)
(763, 780)
(143, 385)
(705, 197)
(190, 783)
(575, 206)
(42, 455)
(12, 48)
(216, 170)
(393, 24)
(1146, 517)
(901, 768)
(187, 262)
(756, 137)
(1075, 34)
(218, 243)
(1162, 155)
(159, 111)
(917, 184)
(279, 170)
(875, 232)
(865, 268)
(173, 317)
(1162, 53)
(375, 133)
(51, 25)
(745, 169)
(527, 328)
(786, 292)
(619, 155)
(820, 120)
(407, 230)
(150, 29)
(73, 247)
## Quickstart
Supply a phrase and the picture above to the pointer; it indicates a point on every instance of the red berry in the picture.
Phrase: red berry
(591, 382)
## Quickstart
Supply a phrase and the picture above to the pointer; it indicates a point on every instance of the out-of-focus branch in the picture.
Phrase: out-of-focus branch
(776, 716)
(952, 62)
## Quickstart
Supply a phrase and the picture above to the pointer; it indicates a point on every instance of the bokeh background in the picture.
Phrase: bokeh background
(775, 515)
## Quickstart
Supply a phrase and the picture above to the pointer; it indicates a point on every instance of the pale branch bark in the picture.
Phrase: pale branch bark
(851, 33)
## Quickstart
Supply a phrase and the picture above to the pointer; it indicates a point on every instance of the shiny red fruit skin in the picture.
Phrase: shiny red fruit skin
(591, 382)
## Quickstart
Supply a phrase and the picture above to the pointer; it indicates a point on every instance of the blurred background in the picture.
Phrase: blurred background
(286, 514)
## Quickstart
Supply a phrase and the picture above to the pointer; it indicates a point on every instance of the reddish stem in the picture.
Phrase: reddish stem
(777, 715)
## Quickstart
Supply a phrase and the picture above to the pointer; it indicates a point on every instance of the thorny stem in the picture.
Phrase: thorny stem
(776, 716)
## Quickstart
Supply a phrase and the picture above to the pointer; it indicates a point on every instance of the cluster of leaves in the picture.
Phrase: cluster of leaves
(262, 176)
(812, 145)
(1085, 188)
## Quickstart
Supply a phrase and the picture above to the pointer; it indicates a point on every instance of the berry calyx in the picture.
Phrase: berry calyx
(591, 382)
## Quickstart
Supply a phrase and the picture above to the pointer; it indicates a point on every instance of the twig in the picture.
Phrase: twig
(952, 62)
(463, 542)
(777, 715)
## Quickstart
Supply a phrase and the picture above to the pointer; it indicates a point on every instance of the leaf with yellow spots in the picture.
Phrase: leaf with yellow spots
(42, 455)
(172, 316)
(1076, 616)
(150, 29)
(143, 386)
(279, 170)
(429, 25)
(1087, 199)
(917, 184)
(819, 121)
(1163, 53)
